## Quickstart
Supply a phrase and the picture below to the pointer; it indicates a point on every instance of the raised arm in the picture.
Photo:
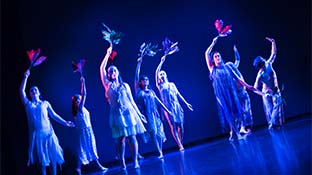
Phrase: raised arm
(57, 118)
(23, 87)
(137, 74)
(103, 73)
(237, 57)
(163, 59)
(273, 50)
(83, 93)
(207, 54)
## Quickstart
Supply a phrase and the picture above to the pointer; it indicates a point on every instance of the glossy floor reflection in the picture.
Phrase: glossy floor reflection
(283, 151)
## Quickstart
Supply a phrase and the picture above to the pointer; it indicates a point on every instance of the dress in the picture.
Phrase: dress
(43, 144)
(123, 118)
(243, 98)
(169, 96)
(228, 103)
(147, 104)
(87, 145)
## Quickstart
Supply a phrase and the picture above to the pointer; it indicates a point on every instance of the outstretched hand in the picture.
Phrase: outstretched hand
(27, 73)
(269, 39)
(109, 50)
(190, 107)
(82, 79)
(143, 119)
(140, 59)
(234, 48)
(70, 124)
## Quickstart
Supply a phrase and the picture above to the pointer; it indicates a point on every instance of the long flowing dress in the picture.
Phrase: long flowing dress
(228, 103)
(148, 106)
(87, 145)
(123, 118)
(244, 99)
(43, 144)
(169, 97)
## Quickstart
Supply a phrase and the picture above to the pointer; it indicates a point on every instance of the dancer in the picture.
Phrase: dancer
(170, 96)
(87, 151)
(44, 146)
(125, 118)
(147, 102)
(247, 120)
(267, 80)
(224, 79)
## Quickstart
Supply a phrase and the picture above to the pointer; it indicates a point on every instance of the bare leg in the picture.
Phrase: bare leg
(121, 144)
(175, 134)
(135, 147)
(54, 168)
(43, 170)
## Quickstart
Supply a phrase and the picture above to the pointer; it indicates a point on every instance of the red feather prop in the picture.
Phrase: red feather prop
(34, 59)
(77, 67)
(222, 31)
(113, 55)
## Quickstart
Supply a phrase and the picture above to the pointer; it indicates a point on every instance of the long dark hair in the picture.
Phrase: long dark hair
(74, 105)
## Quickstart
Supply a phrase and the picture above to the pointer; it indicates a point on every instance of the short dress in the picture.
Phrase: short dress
(148, 106)
(123, 118)
(228, 103)
(87, 145)
(44, 146)
(169, 96)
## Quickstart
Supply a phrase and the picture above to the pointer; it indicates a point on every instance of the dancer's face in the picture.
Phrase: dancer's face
(112, 73)
(162, 77)
(217, 58)
(34, 91)
(144, 82)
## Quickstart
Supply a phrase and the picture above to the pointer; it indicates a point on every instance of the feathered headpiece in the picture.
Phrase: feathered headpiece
(169, 47)
(34, 58)
(222, 31)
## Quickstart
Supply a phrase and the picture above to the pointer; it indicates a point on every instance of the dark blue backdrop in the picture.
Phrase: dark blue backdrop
(71, 30)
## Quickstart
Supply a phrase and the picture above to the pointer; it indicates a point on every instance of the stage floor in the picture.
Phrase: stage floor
(283, 151)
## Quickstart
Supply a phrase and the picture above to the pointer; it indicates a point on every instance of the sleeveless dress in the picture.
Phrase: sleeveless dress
(44, 146)
(169, 96)
(244, 99)
(123, 118)
(87, 145)
(228, 103)
(147, 104)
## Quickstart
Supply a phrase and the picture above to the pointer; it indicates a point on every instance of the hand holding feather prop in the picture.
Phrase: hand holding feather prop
(148, 49)
(169, 47)
(78, 67)
(222, 31)
(111, 36)
(33, 56)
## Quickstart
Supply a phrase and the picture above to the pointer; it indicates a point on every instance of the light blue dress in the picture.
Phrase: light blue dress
(123, 118)
(44, 146)
(228, 103)
(148, 106)
(87, 145)
(169, 96)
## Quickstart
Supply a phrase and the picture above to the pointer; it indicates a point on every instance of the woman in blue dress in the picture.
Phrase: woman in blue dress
(224, 79)
(125, 118)
(87, 151)
(170, 97)
(44, 147)
(147, 102)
